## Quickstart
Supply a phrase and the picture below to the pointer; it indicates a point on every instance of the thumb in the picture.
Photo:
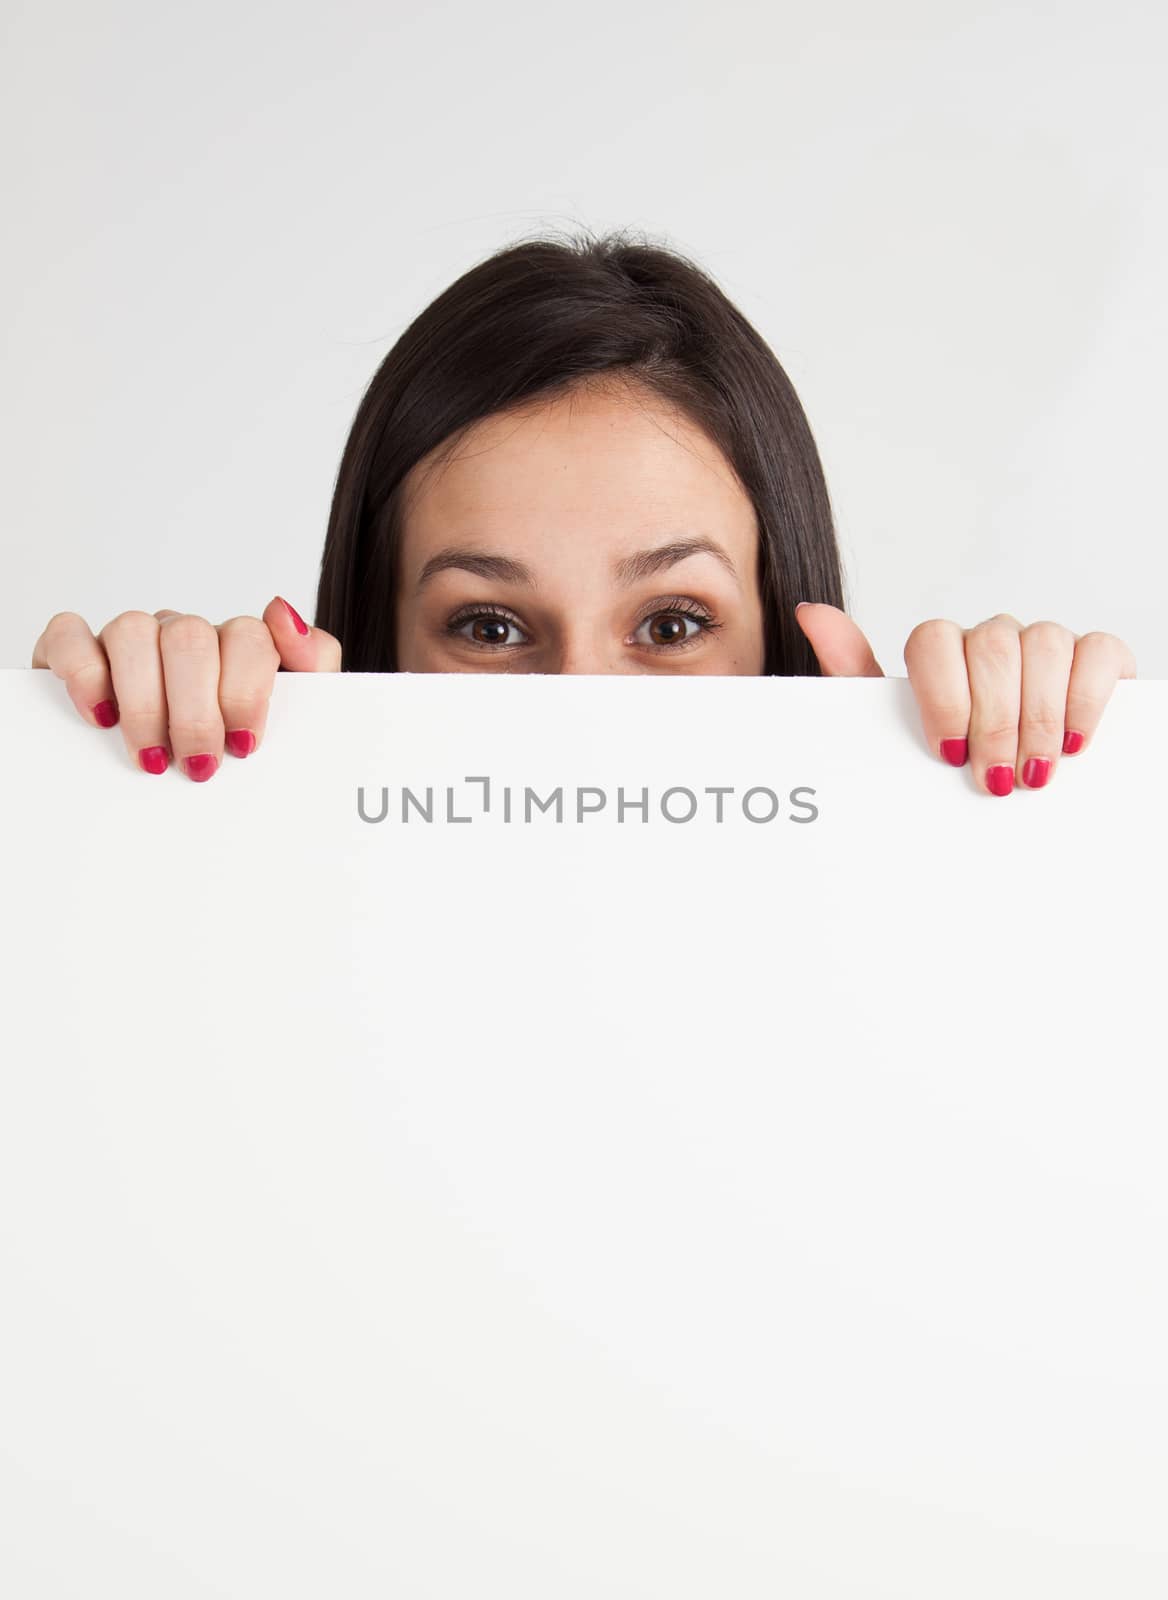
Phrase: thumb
(840, 648)
(301, 648)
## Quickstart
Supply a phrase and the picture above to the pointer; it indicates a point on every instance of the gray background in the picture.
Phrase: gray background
(948, 220)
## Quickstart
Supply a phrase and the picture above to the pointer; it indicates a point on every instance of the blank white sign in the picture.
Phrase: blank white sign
(612, 1206)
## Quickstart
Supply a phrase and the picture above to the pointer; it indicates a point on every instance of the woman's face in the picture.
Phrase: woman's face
(599, 532)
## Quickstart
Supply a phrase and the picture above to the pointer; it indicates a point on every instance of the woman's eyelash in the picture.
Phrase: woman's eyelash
(484, 609)
(683, 604)
(679, 606)
(671, 605)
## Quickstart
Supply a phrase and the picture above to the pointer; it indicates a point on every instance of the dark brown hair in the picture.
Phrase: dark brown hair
(532, 320)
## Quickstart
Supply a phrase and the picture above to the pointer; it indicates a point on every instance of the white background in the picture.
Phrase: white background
(949, 221)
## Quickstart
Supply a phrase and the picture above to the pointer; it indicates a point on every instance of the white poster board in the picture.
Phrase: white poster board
(597, 1207)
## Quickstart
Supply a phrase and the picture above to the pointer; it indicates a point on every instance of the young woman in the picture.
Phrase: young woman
(581, 458)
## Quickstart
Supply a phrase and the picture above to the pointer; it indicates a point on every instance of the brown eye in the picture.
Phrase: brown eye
(667, 628)
(486, 627)
(672, 630)
(489, 630)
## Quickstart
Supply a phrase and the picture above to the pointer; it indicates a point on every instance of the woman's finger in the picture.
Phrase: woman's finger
(130, 641)
(248, 663)
(301, 648)
(840, 647)
(1047, 652)
(934, 654)
(189, 647)
(1100, 660)
(69, 649)
(993, 661)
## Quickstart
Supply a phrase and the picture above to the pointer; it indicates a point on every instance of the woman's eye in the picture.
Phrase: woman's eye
(668, 630)
(674, 627)
(486, 628)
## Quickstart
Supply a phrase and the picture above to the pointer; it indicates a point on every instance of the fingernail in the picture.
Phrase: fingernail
(298, 621)
(999, 780)
(105, 714)
(153, 759)
(241, 741)
(802, 603)
(955, 751)
(1035, 773)
(1071, 743)
(200, 768)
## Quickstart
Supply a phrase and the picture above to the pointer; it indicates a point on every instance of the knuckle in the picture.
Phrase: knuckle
(249, 631)
(1046, 721)
(993, 644)
(1049, 637)
(932, 628)
(62, 620)
(1101, 641)
(1083, 700)
(243, 707)
(132, 625)
(196, 732)
(996, 732)
(188, 634)
(949, 715)
(135, 713)
(84, 672)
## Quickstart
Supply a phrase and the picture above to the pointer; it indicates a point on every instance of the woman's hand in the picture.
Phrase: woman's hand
(1011, 699)
(180, 686)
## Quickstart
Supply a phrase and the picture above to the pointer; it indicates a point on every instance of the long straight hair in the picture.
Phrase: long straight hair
(535, 319)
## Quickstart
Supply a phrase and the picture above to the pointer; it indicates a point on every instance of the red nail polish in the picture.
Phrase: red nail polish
(955, 751)
(105, 714)
(1071, 743)
(298, 621)
(200, 768)
(999, 780)
(153, 759)
(241, 741)
(1035, 772)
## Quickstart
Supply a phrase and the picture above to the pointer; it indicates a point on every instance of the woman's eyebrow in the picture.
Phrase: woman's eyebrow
(628, 570)
(646, 562)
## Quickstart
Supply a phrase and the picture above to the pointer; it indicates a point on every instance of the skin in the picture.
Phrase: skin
(565, 491)
(570, 491)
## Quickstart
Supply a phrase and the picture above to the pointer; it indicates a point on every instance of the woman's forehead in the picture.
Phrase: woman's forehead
(605, 467)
